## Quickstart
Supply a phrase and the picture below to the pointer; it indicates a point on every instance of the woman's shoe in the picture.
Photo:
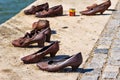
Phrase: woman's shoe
(54, 11)
(41, 24)
(47, 33)
(51, 49)
(18, 42)
(35, 9)
(32, 37)
(92, 6)
(52, 66)
(99, 8)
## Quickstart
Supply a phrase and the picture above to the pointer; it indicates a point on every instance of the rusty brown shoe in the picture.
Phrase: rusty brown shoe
(54, 11)
(52, 66)
(97, 9)
(51, 49)
(37, 8)
(33, 37)
(40, 24)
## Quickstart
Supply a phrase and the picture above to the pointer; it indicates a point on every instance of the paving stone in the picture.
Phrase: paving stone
(93, 71)
(105, 39)
(95, 64)
(115, 56)
(110, 72)
(113, 62)
(108, 33)
(90, 77)
(97, 61)
(113, 24)
(115, 50)
(105, 46)
(101, 50)
(105, 43)
(116, 15)
(118, 34)
(116, 45)
(116, 41)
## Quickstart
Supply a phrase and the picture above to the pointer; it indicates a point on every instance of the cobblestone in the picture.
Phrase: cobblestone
(96, 71)
(105, 61)
(110, 72)
(90, 77)
(114, 55)
(101, 50)
(97, 61)
(96, 64)
(113, 62)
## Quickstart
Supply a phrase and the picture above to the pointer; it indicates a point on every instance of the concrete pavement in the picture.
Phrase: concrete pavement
(91, 35)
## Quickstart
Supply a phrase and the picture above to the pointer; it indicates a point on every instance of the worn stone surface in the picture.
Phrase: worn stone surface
(110, 72)
(81, 35)
(97, 61)
(105, 58)
(72, 40)
(90, 77)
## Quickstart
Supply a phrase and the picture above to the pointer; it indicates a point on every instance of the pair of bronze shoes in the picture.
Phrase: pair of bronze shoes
(40, 34)
(43, 10)
(53, 65)
(101, 8)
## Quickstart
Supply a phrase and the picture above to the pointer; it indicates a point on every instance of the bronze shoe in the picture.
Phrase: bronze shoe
(99, 8)
(35, 9)
(92, 6)
(51, 49)
(19, 41)
(47, 33)
(41, 24)
(32, 37)
(54, 11)
(53, 66)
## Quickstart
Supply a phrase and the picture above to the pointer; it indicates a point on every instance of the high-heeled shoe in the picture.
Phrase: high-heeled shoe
(92, 6)
(54, 11)
(47, 33)
(40, 24)
(52, 66)
(30, 38)
(35, 9)
(51, 49)
(99, 8)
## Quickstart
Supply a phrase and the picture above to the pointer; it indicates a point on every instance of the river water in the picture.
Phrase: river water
(9, 8)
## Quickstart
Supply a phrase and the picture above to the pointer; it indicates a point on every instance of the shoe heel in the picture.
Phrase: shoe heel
(102, 12)
(48, 38)
(42, 41)
(41, 44)
(74, 68)
(53, 54)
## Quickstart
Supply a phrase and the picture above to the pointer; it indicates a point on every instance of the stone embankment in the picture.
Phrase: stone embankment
(97, 37)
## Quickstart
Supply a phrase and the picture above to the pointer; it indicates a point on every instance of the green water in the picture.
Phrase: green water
(9, 8)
